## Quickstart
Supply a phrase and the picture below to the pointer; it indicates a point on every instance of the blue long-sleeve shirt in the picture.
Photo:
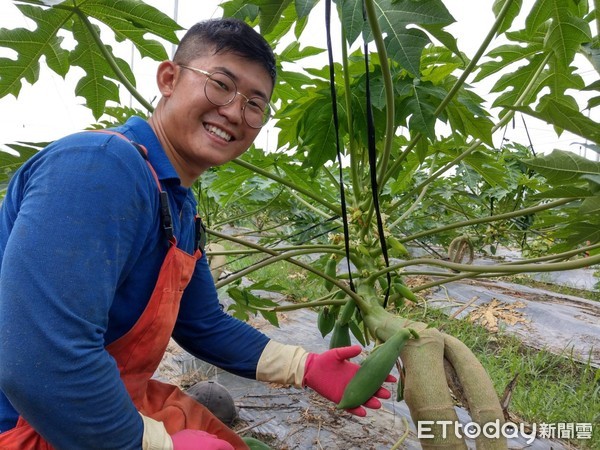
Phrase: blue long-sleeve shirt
(81, 246)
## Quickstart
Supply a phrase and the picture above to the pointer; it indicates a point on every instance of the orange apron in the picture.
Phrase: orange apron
(138, 354)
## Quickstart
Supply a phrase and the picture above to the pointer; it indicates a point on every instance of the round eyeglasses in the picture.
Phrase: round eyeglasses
(221, 90)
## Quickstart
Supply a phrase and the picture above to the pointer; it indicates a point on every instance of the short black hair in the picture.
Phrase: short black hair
(226, 35)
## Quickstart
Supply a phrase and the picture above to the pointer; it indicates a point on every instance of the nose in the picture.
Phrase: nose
(234, 111)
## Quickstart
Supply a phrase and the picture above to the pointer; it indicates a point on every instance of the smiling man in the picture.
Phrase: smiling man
(101, 264)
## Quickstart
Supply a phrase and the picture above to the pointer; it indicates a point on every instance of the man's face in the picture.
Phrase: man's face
(199, 134)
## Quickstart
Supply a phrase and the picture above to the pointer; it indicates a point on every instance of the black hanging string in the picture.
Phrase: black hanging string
(337, 139)
(373, 166)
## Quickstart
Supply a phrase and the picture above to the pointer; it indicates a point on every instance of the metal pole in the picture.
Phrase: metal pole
(175, 15)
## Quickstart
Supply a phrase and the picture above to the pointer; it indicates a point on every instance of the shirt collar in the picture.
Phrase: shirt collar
(140, 131)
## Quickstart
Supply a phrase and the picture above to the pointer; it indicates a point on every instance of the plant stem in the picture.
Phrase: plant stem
(416, 202)
(495, 269)
(354, 162)
(296, 306)
(315, 248)
(389, 93)
(335, 209)
(522, 212)
(287, 256)
(309, 206)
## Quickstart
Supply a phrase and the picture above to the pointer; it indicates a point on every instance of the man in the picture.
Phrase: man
(100, 267)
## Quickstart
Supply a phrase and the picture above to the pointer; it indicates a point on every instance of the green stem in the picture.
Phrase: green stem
(354, 162)
(496, 269)
(285, 256)
(415, 204)
(522, 212)
(335, 209)
(315, 248)
(597, 16)
(389, 93)
(296, 306)
(308, 205)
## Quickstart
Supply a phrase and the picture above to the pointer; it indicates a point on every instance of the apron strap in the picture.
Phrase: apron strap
(166, 219)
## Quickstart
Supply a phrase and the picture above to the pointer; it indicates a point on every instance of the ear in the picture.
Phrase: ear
(166, 77)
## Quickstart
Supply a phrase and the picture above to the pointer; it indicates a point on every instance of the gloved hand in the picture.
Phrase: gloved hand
(328, 374)
(196, 439)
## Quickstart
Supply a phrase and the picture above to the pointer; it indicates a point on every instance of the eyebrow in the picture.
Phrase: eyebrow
(226, 71)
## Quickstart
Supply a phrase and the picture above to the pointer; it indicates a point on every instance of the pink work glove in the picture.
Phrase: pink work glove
(196, 439)
(328, 374)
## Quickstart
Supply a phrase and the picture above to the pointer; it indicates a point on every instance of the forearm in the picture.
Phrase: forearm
(282, 363)
(209, 333)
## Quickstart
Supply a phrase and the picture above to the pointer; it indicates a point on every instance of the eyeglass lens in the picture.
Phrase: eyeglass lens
(221, 90)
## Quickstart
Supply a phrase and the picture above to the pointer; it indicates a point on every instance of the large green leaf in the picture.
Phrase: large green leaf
(271, 12)
(560, 167)
(566, 31)
(505, 55)
(352, 17)
(403, 44)
(565, 118)
(95, 86)
(304, 7)
(129, 19)
(590, 206)
(30, 46)
(514, 9)
(133, 20)
(10, 162)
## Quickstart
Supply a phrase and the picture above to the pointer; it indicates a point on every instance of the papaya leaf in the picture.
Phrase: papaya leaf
(10, 162)
(505, 55)
(567, 191)
(590, 206)
(271, 12)
(293, 52)
(317, 130)
(405, 45)
(133, 20)
(352, 18)
(95, 86)
(562, 168)
(577, 233)
(240, 9)
(246, 302)
(30, 46)
(565, 38)
(447, 39)
(565, 118)
(514, 85)
(304, 7)
(487, 166)
(25, 150)
(565, 33)
(513, 12)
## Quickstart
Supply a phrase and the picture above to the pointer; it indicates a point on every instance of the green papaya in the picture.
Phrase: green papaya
(374, 370)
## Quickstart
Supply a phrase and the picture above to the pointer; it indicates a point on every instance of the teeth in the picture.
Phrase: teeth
(222, 134)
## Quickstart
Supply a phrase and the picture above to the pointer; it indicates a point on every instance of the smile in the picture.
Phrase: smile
(219, 132)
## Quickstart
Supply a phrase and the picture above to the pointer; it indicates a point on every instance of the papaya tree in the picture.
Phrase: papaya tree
(384, 146)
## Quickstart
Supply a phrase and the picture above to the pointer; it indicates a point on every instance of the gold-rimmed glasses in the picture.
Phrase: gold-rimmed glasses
(221, 90)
